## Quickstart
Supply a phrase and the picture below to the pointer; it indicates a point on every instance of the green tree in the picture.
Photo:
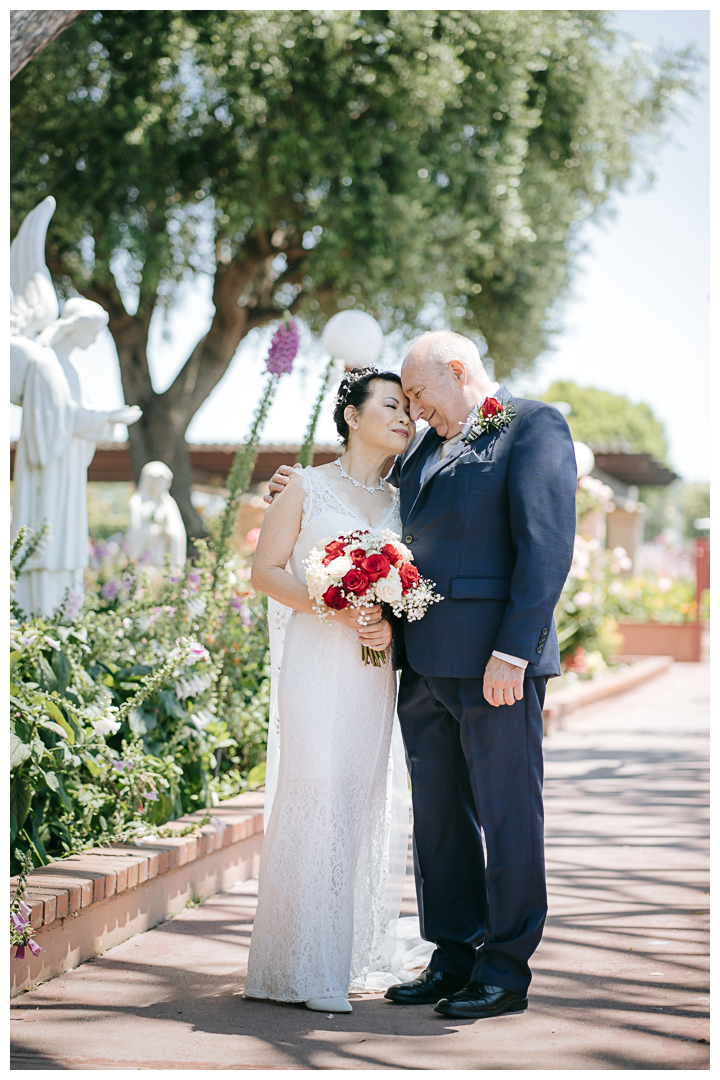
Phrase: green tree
(422, 164)
(604, 419)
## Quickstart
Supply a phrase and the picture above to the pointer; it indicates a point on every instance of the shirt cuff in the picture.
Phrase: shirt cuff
(516, 660)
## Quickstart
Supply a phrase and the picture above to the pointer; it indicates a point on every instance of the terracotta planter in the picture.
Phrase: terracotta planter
(679, 640)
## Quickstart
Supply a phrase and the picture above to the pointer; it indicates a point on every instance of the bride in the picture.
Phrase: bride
(324, 921)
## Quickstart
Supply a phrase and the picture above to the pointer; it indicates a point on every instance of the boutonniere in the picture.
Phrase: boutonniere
(493, 416)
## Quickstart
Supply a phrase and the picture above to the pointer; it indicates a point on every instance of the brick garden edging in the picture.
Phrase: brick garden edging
(87, 903)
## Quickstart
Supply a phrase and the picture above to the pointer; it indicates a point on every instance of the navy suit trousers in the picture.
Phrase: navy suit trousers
(477, 773)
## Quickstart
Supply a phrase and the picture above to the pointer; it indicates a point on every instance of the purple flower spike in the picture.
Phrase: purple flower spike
(110, 589)
(18, 922)
(20, 952)
(283, 349)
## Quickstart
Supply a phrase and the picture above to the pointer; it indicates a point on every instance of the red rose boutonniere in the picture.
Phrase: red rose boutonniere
(493, 415)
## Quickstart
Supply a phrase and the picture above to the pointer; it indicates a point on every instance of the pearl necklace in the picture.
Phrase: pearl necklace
(380, 486)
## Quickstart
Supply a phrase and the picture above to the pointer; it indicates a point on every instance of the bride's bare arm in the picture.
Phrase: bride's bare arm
(279, 533)
(280, 530)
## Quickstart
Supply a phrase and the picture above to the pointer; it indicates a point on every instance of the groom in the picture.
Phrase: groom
(487, 499)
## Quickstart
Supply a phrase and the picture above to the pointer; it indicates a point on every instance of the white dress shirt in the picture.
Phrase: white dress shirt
(440, 451)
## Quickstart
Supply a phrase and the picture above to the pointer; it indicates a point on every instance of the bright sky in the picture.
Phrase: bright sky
(638, 322)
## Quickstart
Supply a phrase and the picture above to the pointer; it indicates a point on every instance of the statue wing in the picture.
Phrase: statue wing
(33, 300)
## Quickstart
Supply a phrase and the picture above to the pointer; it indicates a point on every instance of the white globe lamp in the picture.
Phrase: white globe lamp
(584, 459)
(353, 337)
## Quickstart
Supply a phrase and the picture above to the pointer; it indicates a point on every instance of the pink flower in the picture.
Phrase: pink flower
(283, 349)
(35, 949)
(73, 604)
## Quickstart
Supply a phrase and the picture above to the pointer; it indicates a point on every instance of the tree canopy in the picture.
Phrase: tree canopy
(419, 164)
(604, 419)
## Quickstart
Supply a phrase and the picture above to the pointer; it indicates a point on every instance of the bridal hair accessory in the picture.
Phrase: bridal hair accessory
(365, 568)
(493, 415)
(349, 380)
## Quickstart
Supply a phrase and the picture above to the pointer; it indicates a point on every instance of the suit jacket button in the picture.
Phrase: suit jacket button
(539, 649)
(408, 539)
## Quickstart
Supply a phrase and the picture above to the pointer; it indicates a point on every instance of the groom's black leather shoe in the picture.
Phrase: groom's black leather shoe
(426, 989)
(477, 1001)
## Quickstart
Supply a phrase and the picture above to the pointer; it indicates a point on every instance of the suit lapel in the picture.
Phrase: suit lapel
(410, 476)
(461, 447)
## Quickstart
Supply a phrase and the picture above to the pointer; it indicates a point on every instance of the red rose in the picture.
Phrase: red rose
(409, 576)
(333, 551)
(356, 581)
(391, 554)
(490, 407)
(376, 566)
(335, 599)
(357, 556)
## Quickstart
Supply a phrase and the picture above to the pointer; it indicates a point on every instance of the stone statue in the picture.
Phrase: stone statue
(59, 429)
(156, 525)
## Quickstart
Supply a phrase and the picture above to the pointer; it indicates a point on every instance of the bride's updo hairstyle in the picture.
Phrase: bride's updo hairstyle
(355, 389)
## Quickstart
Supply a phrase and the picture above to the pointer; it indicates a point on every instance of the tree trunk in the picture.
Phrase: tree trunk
(160, 434)
(31, 31)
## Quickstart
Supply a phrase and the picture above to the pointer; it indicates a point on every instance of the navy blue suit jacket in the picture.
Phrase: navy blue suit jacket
(493, 526)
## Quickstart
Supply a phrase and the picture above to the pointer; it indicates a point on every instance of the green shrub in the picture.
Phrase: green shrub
(149, 702)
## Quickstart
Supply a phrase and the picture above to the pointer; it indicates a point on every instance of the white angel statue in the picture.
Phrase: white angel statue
(59, 429)
(156, 525)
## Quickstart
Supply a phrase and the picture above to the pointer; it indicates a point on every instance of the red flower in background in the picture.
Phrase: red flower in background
(335, 599)
(356, 581)
(409, 576)
(391, 554)
(357, 556)
(333, 551)
(375, 566)
(490, 407)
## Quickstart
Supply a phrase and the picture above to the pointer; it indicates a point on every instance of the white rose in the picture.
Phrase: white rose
(317, 581)
(389, 590)
(105, 727)
(405, 553)
(339, 567)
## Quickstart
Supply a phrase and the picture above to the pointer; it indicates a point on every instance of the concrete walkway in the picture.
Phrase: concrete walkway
(619, 980)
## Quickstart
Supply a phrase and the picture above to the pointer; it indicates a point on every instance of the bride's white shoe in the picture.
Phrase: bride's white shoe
(334, 1005)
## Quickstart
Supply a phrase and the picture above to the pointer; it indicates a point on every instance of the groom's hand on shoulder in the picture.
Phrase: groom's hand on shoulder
(503, 682)
(278, 481)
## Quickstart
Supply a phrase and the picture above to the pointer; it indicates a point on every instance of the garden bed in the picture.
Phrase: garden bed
(90, 902)
(682, 641)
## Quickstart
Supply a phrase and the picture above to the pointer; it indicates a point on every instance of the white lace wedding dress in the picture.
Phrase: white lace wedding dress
(333, 859)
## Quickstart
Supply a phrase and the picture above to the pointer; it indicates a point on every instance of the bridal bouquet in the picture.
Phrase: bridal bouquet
(366, 568)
